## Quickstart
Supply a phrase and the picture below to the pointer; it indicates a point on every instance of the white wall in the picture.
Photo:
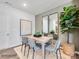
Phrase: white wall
(12, 16)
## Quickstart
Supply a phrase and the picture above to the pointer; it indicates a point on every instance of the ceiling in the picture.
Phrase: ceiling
(36, 6)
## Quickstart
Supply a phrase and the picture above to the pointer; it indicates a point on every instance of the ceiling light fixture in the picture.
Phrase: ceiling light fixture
(24, 4)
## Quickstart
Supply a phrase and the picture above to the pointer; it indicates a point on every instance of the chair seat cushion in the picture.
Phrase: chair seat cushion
(50, 48)
(40, 45)
(36, 48)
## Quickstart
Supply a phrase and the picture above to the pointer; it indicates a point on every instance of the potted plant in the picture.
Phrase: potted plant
(55, 36)
(68, 19)
(52, 32)
(45, 34)
(38, 34)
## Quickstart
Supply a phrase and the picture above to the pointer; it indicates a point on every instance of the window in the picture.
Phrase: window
(53, 22)
(50, 23)
(45, 24)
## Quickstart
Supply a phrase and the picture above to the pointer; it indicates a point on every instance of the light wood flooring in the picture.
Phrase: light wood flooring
(8, 54)
(38, 54)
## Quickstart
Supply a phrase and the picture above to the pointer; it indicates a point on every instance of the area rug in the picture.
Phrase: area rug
(8, 54)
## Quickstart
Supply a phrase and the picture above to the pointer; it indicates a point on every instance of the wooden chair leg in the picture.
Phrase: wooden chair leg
(24, 49)
(33, 53)
(28, 52)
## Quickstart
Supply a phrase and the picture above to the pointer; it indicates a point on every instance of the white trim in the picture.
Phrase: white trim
(77, 52)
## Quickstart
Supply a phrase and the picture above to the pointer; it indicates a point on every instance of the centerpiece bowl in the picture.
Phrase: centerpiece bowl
(38, 34)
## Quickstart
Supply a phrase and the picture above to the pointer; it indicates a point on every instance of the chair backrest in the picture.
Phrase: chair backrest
(31, 43)
(57, 45)
(24, 40)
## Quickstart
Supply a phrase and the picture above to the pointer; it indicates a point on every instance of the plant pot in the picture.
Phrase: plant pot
(37, 35)
(45, 34)
(68, 49)
(55, 36)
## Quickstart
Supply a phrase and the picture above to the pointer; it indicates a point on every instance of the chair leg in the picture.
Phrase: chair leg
(56, 55)
(28, 52)
(45, 54)
(33, 53)
(49, 52)
(60, 54)
(24, 49)
(21, 47)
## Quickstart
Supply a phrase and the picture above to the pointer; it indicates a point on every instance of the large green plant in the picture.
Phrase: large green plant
(68, 19)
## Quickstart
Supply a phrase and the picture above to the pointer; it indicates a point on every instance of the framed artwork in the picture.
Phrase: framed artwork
(25, 27)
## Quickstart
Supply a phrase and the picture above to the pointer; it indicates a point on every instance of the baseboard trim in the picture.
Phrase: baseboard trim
(76, 52)
(12, 47)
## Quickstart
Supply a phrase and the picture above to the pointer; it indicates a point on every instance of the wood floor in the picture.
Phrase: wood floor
(38, 54)
(8, 54)
(15, 53)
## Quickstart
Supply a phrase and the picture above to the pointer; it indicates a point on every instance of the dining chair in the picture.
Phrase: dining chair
(33, 46)
(46, 44)
(36, 46)
(55, 49)
(25, 43)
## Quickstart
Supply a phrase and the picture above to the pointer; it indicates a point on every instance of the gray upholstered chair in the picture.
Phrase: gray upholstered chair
(25, 43)
(33, 46)
(55, 49)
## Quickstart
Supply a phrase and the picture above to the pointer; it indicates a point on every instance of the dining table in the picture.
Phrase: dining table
(42, 40)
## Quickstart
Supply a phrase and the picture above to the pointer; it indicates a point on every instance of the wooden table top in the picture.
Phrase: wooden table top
(43, 39)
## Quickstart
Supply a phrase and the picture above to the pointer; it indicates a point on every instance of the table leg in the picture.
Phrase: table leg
(43, 50)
